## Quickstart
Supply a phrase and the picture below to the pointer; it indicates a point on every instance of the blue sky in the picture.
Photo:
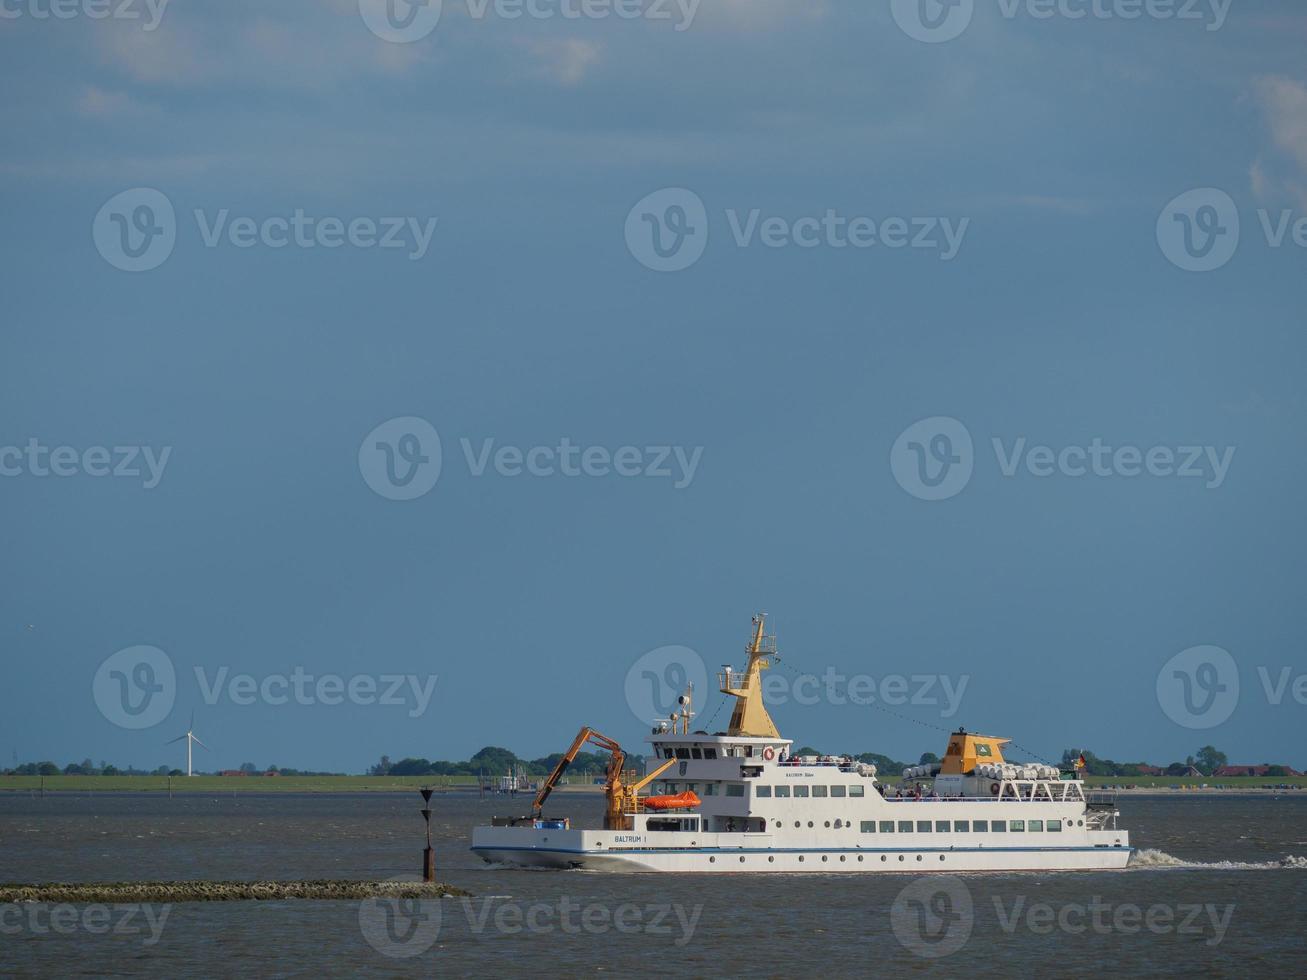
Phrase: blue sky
(531, 316)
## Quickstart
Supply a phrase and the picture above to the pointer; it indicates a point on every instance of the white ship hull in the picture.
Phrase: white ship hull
(613, 851)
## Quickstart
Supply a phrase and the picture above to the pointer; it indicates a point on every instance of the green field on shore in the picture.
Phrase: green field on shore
(396, 784)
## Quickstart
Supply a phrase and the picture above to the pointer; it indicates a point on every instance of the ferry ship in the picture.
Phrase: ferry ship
(741, 801)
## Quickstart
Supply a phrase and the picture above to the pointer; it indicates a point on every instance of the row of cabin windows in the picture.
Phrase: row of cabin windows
(961, 826)
(686, 753)
(702, 789)
(802, 792)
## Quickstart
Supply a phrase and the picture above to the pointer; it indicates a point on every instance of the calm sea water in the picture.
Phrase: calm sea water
(1213, 895)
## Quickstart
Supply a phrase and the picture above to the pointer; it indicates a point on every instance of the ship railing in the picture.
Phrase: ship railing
(1101, 799)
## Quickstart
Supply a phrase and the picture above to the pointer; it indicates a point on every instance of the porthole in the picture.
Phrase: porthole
(809, 823)
(859, 858)
(712, 860)
(841, 857)
(884, 858)
(941, 857)
(827, 823)
(824, 859)
(800, 858)
(838, 824)
(797, 824)
(1080, 823)
(771, 859)
(741, 858)
(902, 858)
(918, 857)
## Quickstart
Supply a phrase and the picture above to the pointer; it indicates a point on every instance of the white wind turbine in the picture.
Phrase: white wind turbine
(190, 737)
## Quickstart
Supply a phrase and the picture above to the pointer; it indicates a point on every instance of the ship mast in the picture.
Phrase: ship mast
(749, 716)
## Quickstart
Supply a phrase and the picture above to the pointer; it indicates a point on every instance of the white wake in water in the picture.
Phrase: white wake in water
(1152, 858)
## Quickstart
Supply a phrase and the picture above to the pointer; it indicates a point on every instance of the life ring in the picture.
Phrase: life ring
(993, 788)
(769, 753)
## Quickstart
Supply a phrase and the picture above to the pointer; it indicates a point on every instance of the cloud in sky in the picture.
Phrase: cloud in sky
(1284, 102)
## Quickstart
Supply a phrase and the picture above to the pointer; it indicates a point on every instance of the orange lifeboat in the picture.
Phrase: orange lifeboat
(681, 801)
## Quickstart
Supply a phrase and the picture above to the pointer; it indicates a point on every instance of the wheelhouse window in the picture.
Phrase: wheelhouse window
(869, 826)
(682, 753)
(837, 791)
(887, 826)
(696, 753)
(857, 791)
(801, 792)
(923, 826)
(710, 753)
(819, 791)
(734, 789)
(782, 792)
(762, 792)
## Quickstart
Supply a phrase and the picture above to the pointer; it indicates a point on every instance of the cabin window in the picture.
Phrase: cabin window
(734, 789)
(710, 753)
(696, 753)
(982, 826)
(1055, 826)
(762, 792)
(801, 792)
(1016, 826)
(748, 751)
(962, 826)
(837, 791)
(782, 792)
(923, 826)
(887, 826)
(682, 753)
(1036, 825)
(1000, 826)
(819, 791)
(905, 826)
(709, 789)
(673, 788)
(869, 826)
(658, 752)
(941, 827)
(857, 791)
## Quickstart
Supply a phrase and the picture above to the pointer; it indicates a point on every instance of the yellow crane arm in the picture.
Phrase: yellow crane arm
(586, 734)
(635, 788)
